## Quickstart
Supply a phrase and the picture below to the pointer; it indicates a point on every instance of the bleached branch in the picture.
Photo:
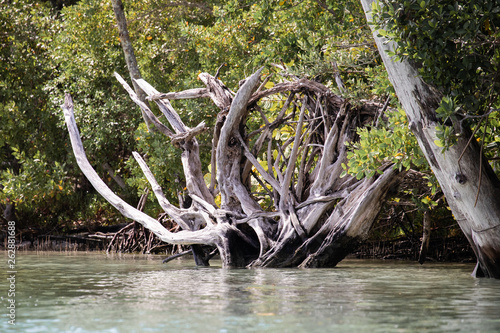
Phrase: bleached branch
(186, 94)
(205, 236)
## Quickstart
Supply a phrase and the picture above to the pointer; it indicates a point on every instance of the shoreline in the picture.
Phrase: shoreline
(451, 249)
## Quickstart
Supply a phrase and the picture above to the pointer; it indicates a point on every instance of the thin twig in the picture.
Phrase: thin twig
(379, 113)
(218, 71)
(267, 177)
(481, 161)
(468, 143)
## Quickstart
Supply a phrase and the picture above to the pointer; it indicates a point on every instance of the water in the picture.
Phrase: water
(89, 292)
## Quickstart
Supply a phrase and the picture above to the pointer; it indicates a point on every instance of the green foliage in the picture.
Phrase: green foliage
(455, 45)
(41, 57)
(489, 136)
(305, 37)
(447, 111)
(36, 175)
(31, 170)
(77, 49)
(87, 53)
(164, 161)
(391, 142)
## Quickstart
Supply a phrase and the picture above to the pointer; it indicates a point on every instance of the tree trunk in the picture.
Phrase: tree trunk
(426, 237)
(283, 202)
(128, 52)
(459, 170)
(9, 212)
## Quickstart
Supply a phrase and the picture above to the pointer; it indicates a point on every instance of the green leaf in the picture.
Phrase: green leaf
(382, 32)
(438, 143)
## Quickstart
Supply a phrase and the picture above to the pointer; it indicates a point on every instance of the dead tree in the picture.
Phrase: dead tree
(283, 202)
(470, 185)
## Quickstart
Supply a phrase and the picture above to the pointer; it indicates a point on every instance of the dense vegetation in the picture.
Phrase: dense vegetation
(49, 48)
(456, 47)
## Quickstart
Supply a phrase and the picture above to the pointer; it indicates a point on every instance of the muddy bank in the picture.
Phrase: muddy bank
(125, 237)
(453, 249)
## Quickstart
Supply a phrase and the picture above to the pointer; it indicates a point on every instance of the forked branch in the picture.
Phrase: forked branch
(283, 202)
(205, 236)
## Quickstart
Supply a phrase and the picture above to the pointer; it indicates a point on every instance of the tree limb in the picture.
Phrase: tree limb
(267, 177)
(186, 94)
(144, 107)
(165, 107)
(228, 151)
(285, 186)
(205, 236)
(193, 220)
(128, 52)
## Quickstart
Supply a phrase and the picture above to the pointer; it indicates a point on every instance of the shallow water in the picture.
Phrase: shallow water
(95, 292)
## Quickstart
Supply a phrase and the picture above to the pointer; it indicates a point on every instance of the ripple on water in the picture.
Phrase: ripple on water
(99, 293)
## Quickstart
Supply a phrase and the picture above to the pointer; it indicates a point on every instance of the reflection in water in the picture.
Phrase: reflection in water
(98, 293)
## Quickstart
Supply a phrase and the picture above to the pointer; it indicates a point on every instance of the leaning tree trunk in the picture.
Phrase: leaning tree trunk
(128, 52)
(283, 202)
(463, 172)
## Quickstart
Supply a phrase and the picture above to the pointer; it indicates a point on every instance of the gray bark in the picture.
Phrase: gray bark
(184, 237)
(128, 52)
(9, 212)
(315, 218)
(118, 180)
(458, 175)
(426, 237)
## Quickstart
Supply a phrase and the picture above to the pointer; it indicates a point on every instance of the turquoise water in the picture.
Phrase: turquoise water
(95, 292)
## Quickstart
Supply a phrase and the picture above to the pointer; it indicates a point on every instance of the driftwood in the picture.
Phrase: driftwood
(283, 202)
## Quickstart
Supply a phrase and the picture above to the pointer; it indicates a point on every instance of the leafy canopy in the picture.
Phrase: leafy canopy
(455, 45)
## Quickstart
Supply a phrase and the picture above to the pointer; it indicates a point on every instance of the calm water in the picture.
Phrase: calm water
(78, 292)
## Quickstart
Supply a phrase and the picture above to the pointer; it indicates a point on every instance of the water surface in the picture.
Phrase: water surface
(95, 292)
